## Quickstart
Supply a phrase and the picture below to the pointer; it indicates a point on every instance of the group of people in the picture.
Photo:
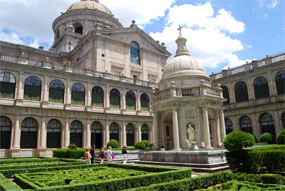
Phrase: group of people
(89, 156)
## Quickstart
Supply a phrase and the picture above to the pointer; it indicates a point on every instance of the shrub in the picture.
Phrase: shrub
(281, 137)
(68, 153)
(113, 143)
(237, 140)
(72, 146)
(140, 145)
(146, 142)
(266, 137)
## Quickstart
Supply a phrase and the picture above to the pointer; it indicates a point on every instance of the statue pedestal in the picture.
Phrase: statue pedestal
(194, 146)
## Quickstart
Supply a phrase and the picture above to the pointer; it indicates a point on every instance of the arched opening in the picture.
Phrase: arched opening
(229, 125)
(226, 95)
(56, 91)
(267, 125)
(144, 102)
(261, 89)
(130, 100)
(96, 135)
(241, 92)
(245, 124)
(76, 130)
(97, 96)
(130, 130)
(78, 28)
(167, 130)
(33, 88)
(283, 120)
(29, 133)
(115, 99)
(5, 132)
(280, 82)
(114, 131)
(78, 94)
(213, 128)
(53, 134)
(7, 85)
(135, 53)
(144, 132)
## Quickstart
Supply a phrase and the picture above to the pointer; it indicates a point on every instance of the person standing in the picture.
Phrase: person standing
(93, 154)
(102, 155)
(125, 154)
(109, 154)
(87, 156)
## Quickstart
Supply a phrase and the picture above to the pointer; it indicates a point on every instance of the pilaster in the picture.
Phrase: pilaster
(206, 129)
(88, 135)
(175, 129)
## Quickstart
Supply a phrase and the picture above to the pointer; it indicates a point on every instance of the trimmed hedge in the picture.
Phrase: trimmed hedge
(146, 142)
(113, 143)
(6, 184)
(22, 159)
(166, 174)
(68, 153)
(281, 137)
(140, 145)
(266, 137)
(206, 181)
(237, 140)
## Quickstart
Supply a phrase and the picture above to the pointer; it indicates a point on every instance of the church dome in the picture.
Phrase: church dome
(90, 5)
(183, 64)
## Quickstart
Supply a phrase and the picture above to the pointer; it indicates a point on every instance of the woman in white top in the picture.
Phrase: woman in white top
(109, 154)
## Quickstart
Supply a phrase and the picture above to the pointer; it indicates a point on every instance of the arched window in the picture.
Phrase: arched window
(78, 28)
(33, 88)
(115, 99)
(96, 135)
(7, 85)
(267, 124)
(97, 96)
(53, 134)
(130, 100)
(241, 92)
(135, 53)
(226, 95)
(5, 132)
(229, 125)
(78, 94)
(56, 91)
(29, 133)
(280, 82)
(144, 102)
(130, 130)
(245, 124)
(114, 131)
(144, 131)
(283, 120)
(261, 87)
(76, 130)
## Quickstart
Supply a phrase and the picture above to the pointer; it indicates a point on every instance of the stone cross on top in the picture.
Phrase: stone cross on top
(179, 29)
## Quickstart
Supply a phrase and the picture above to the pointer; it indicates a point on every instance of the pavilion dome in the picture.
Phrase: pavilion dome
(183, 64)
(90, 5)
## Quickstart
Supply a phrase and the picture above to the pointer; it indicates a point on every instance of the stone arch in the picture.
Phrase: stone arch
(29, 133)
(261, 89)
(130, 100)
(241, 92)
(167, 130)
(54, 129)
(7, 85)
(245, 124)
(78, 28)
(78, 94)
(114, 130)
(226, 95)
(115, 98)
(280, 82)
(5, 132)
(33, 88)
(266, 124)
(144, 102)
(97, 96)
(229, 125)
(130, 134)
(144, 132)
(56, 91)
(97, 134)
(76, 133)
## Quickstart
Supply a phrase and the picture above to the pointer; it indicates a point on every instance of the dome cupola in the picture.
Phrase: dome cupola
(90, 5)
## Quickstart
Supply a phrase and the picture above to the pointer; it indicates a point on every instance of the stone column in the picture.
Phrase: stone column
(67, 133)
(107, 132)
(250, 89)
(150, 135)
(45, 91)
(88, 97)
(232, 95)
(43, 135)
(107, 97)
(104, 137)
(222, 125)
(175, 129)
(17, 133)
(138, 102)
(123, 100)
(68, 93)
(124, 135)
(139, 133)
(218, 129)
(271, 84)
(155, 131)
(88, 135)
(206, 129)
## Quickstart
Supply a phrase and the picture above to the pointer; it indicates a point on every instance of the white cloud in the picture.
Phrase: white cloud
(10, 37)
(208, 34)
(272, 4)
(269, 3)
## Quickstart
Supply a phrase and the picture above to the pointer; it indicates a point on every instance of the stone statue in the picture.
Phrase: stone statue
(190, 133)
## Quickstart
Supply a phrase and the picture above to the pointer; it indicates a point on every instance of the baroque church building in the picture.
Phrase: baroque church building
(101, 81)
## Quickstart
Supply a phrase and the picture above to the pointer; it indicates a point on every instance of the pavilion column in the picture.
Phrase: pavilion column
(17, 133)
(222, 125)
(20, 93)
(124, 135)
(104, 137)
(138, 102)
(206, 129)
(175, 129)
(45, 90)
(68, 93)
(218, 129)
(88, 135)
(67, 133)
(155, 131)
(107, 98)
(43, 135)
(107, 133)
(123, 100)
(139, 133)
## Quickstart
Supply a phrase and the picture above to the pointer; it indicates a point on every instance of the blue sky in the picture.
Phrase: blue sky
(220, 33)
